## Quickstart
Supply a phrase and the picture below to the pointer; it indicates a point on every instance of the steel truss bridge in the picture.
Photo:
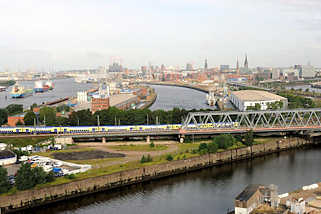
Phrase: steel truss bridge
(258, 121)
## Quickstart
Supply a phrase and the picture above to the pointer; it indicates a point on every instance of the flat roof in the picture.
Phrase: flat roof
(255, 95)
(120, 98)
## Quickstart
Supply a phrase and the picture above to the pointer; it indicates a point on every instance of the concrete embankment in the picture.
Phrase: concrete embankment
(198, 88)
(37, 197)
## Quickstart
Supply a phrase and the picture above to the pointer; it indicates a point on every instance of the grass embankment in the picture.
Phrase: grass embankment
(141, 148)
(184, 151)
(23, 141)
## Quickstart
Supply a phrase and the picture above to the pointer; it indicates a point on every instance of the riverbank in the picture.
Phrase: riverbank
(36, 197)
(184, 85)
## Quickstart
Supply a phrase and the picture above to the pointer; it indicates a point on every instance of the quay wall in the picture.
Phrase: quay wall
(36, 197)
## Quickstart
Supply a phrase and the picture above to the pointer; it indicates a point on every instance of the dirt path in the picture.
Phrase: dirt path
(130, 155)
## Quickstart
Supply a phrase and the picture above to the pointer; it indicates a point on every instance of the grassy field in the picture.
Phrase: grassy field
(141, 148)
(23, 141)
(94, 161)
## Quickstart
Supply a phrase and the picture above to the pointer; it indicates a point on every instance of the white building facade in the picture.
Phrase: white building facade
(245, 99)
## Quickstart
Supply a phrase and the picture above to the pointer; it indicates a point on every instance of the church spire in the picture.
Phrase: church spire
(246, 64)
(205, 65)
(237, 64)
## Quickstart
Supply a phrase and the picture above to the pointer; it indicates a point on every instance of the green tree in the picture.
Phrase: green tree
(25, 178)
(4, 182)
(63, 121)
(248, 138)
(50, 176)
(83, 118)
(224, 141)
(47, 116)
(212, 147)
(39, 175)
(29, 118)
(3, 116)
(14, 109)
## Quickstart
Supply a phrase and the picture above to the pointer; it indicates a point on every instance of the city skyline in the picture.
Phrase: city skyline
(73, 35)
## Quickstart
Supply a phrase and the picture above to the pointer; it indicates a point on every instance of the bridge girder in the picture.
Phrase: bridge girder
(257, 119)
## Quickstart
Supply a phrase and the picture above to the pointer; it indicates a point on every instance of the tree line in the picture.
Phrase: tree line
(112, 116)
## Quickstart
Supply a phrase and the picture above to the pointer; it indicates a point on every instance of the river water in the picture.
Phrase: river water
(207, 191)
(63, 88)
(169, 97)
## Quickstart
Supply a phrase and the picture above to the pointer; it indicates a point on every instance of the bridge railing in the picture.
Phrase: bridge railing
(256, 119)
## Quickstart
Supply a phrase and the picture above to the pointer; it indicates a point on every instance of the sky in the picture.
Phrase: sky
(76, 34)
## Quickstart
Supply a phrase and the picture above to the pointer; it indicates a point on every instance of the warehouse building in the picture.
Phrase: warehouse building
(245, 100)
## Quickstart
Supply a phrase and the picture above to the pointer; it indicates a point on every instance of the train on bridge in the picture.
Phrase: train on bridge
(109, 129)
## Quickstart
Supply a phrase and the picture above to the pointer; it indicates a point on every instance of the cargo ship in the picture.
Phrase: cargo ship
(49, 85)
(40, 87)
(20, 92)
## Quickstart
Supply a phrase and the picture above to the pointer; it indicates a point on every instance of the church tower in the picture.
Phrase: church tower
(205, 65)
(237, 66)
(246, 64)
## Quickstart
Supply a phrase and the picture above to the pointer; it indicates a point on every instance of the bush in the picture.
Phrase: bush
(146, 159)
(152, 145)
(169, 157)
(71, 176)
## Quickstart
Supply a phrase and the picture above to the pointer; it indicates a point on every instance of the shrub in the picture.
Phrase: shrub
(152, 145)
(169, 157)
(146, 159)
(71, 176)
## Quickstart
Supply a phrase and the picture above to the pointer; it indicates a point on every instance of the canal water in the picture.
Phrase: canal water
(63, 88)
(169, 97)
(207, 191)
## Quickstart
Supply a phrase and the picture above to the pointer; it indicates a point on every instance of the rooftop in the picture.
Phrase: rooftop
(254, 95)
(247, 193)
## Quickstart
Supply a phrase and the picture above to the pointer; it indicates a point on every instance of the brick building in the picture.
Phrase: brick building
(98, 104)
(13, 120)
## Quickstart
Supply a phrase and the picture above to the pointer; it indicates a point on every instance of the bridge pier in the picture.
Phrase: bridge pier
(181, 138)
(148, 139)
(104, 140)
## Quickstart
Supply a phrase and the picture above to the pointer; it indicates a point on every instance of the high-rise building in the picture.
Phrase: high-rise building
(205, 66)
(308, 71)
(189, 67)
(224, 68)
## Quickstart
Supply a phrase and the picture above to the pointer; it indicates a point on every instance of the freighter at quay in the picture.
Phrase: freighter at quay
(40, 87)
(20, 92)
(49, 85)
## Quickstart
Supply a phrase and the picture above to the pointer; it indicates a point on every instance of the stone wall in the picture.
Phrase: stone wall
(29, 198)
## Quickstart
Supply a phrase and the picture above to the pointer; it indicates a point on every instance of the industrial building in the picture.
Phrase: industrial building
(254, 195)
(249, 99)
(6, 157)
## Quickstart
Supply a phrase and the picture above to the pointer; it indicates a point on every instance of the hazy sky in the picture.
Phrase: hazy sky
(71, 34)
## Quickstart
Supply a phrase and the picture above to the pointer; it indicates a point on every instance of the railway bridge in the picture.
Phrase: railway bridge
(300, 121)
